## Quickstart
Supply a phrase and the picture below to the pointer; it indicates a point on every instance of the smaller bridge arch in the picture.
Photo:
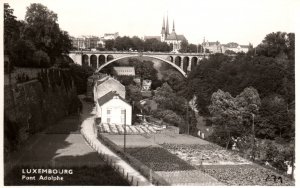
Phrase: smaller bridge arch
(85, 60)
(178, 61)
(93, 60)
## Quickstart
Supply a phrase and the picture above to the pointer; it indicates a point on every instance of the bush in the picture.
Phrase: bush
(40, 59)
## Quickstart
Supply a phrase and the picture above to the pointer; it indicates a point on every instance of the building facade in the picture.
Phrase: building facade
(212, 47)
(113, 109)
(235, 47)
(123, 71)
(172, 38)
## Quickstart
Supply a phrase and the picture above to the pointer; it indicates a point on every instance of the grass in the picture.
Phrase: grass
(85, 175)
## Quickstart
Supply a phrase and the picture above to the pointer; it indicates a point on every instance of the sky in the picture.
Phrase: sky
(241, 21)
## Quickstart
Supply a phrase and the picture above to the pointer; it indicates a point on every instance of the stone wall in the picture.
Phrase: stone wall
(29, 108)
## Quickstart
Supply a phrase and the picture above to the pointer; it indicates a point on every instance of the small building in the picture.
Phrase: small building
(123, 71)
(146, 85)
(91, 82)
(107, 84)
(111, 108)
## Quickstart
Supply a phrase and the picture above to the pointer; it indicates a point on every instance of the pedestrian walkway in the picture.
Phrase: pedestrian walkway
(90, 135)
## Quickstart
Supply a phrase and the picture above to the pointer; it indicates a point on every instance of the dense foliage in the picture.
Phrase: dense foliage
(249, 96)
(273, 77)
(37, 41)
(136, 44)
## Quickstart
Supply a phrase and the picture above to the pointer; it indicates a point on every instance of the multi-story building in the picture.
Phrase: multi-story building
(235, 47)
(212, 47)
(78, 43)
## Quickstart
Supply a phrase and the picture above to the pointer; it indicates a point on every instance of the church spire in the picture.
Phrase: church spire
(167, 27)
(173, 26)
(163, 27)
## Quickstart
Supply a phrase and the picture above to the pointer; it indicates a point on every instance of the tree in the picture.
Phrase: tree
(80, 75)
(11, 30)
(137, 43)
(184, 46)
(23, 53)
(144, 69)
(109, 44)
(43, 30)
(133, 93)
(279, 44)
(41, 59)
(231, 115)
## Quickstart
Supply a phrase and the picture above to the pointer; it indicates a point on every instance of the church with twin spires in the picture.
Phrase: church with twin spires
(170, 38)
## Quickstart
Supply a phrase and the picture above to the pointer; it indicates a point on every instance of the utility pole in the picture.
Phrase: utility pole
(253, 137)
(125, 131)
(187, 116)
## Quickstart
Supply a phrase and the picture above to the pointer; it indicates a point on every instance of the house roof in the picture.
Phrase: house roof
(109, 96)
(174, 36)
(104, 79)
(97, 76)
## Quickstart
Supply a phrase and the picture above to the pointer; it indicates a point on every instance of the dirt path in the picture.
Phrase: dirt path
(60, 145)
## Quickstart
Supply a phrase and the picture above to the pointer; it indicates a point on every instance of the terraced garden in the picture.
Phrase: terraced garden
(130, 129)
(226, 166)
(246, 175)
(186, 160)
(209, 154)
(159, 159)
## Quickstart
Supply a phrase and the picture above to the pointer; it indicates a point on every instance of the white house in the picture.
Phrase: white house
(107, 84)
(112, 109)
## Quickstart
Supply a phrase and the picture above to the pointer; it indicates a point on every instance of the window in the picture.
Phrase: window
(108, 120)
(108, 112)
(122, 112)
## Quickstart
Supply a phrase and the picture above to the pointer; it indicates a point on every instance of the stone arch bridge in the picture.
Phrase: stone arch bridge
(183, 62)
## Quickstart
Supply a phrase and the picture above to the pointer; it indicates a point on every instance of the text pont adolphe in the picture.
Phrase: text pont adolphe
(36, 174)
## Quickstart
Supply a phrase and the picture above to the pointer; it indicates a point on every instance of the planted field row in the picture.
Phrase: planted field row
(130, 129)
(159, 159)
(247, 175)
(191, 177)
(205, 154)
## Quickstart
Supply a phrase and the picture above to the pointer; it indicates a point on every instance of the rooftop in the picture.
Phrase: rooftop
(109, 96)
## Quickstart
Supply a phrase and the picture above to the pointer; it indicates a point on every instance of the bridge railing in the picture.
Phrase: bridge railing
(130, 52)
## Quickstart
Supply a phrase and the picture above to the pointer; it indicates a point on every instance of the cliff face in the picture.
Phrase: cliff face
(32, 106)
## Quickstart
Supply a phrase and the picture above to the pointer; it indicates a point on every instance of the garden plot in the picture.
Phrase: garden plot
(159, 159)
(246, 175)
(206, 154)
(131, 140)
(191, 177)
(176, 139)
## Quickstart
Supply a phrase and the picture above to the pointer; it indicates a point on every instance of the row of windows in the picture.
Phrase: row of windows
(109, 111)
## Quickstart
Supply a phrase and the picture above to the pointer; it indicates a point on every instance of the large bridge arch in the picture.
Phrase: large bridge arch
(137, 55)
